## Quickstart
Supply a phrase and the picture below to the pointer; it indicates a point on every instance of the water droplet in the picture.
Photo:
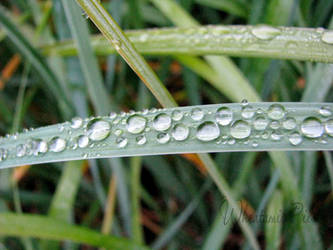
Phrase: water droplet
(98, 129)
(255, 144)
(180, 132)
(21, 150)
(327, 37)
(248, 112)
(276, 112)
(325, 111)
(207, 131)
(3, 154)
(39, 146)
(76, 122)
(260, 123)
(136, 124)
(163, 138)
(295, 139)
(141, 139)
(329, 127)
(265, 32)
(224, 116)
(118, 132)
(83, 141)
(231, 141)
(289, 123)
(112, 115)
(197, 114)
(311, 127)
(177, 115)
(240, 129)
(121, 142)
(162, 122)
(275, 125)
(276, 136)
(57, 144)
(244, 102)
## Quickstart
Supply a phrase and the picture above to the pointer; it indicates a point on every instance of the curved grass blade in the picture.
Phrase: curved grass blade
(52, 229)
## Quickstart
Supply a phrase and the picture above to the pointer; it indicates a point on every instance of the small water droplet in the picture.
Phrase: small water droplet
(265, 32)
(83, 141)
(311, 127)
(197, 114)
(98, 129)
(276, 112)
(177, 115)
(244, 102)
(136, 124)
(276, 136)
(274, 125)
(329, 127)
(3, 154)
(255, 144)
(224, 116)
(21, 150)
(240, 129)
(163, 138)
(231, 141)
(325, 111)
(162, 122)
(121, 142)
(207, 131)
(248, 112)
(57, 144)
(118, 132)
(180, 132)
(112, 115)
(327, 37)
(141, 140)
(76, 122)
(260, 123)
(295, 139)
(289, 123)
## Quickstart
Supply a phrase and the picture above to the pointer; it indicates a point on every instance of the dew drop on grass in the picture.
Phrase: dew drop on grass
(162, 122)
(121, 142)
(207, 131)
(197, 114)
(3, 154)
(265, 32)
(136, 124)
(295, 139)
(118, 132)
(327, 37)
(163, 138)
(240, 129)
(276, 112)
(224, 116)
(329, 127)
(248, 112)
(244, 102)
(276, 136)
(141, 140)
(112, 115)
(260, 123)
(311, 127)
(274, 125)
(39, 146)
(177, 115)
(76, 122)
(21, 150)
(255, 144)
(98, 129)
(180, 132)
(57, 144)
(289, 123)
(83, 141)
(325, 111)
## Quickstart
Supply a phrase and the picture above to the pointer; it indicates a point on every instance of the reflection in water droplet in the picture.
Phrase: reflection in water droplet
(224, 116)
(163, 138)
(136, 124)
(57, 144)
(240, 129)
(207, 131)
(248, 112)
(325, 111)
(83, 141)
(21, 150)
(276, 112)
(295, 139)
(98, 129)
(141, 140)
(329, 127)
(121, 142)
(260, 123)
(289, 123)
(180, 132)
(39, 146)
(327, 37)
(197, 114)
(244, 102)
(177, 115)
(311, 127)
(76, 122)
(265, 32)
(162, 122)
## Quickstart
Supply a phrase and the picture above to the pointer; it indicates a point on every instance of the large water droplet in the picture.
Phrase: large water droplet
(295, 139)
(57, 144)
(136, 124)
(141, 140)
(289, 123)
(180, 132)
(240, 129)
(121, 142)
(177, 115)
(98, 129)
(265, 32)
(248, 112)
(327, 37)
(39, 146)
(311, 127)
(197, 114)
(162, 122)
(325, 111)
(276, 112)
(76, 122)
(163, 138)
(329, 127)
(260, 123)
(83, 141)
(224, 116)
(207, 131)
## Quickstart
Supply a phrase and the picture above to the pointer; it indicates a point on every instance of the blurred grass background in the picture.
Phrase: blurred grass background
(163, 202)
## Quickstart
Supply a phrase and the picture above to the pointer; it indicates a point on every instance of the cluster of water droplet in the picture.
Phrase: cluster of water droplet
(224, 125)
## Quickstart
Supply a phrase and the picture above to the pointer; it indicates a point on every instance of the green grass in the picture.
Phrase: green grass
(187, 199)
